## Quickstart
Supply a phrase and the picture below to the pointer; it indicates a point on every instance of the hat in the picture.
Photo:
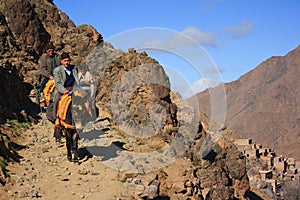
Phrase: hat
(83, 67)
(64, 55)
(50, 46)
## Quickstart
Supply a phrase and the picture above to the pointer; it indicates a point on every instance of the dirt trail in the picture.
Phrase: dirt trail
(45, 173)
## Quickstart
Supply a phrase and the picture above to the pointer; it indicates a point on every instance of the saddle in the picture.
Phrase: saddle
(62, 111)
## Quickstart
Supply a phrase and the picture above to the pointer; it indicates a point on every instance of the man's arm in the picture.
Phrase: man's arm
(44, 69)
(58, 79)
(92, 84)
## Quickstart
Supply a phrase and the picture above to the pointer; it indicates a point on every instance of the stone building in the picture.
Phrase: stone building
(278, 167)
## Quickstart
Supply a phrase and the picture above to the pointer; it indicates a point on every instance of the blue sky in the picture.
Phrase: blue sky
(236, 35)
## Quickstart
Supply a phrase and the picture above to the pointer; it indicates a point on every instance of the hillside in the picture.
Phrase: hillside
(264, 104)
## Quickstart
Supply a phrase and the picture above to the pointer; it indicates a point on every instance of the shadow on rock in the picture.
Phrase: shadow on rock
(107, 152)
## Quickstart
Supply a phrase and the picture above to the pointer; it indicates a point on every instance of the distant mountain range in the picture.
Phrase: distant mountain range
(264, 104)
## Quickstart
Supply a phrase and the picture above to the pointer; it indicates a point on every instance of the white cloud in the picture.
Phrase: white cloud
(240, 31)
(201, 37)
(197, 87)
(188, 37)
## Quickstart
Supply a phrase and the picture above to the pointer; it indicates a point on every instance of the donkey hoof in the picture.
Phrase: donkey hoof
(76, 161)
(69, 158)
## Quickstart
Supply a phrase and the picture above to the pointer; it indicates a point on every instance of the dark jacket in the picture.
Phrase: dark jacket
(47, 66)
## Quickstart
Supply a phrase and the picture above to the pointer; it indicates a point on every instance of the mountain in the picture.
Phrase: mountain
(264, 104)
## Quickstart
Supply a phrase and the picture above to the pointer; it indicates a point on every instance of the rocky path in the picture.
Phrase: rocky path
(45, 173)
(130, 167)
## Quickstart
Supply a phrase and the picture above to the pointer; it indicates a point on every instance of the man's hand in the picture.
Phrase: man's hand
(51, 77)
(66, 91)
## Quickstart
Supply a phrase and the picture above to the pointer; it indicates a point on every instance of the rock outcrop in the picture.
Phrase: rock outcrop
(132, 87)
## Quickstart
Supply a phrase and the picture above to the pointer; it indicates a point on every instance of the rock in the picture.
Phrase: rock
(207, 151)
(45, 149)
(150, 192)
(64, 178)
(2, 177)
(205, 192)
(136, 189)
(95, 173)
(83, 171)
(178, 187)
(34, 194)
(117, 76)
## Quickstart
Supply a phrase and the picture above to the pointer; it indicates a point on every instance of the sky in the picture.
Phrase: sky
(198, 42)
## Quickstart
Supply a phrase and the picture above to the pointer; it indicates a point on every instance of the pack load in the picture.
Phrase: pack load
(48, 92)
(46, 100)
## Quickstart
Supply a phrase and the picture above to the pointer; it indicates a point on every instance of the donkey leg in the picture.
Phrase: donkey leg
(57, 133)
(69, 145)
(75, 146)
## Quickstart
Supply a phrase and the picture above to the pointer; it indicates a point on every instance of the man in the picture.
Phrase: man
(86, 81)
(48, 62)
(65, 77)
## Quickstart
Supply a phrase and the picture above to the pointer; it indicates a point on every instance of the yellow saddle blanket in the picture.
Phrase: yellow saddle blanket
(62, 111)
(49, 88)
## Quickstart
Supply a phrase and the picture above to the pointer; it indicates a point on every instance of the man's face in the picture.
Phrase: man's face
(50, 52)
(66, 62)
(83, 72)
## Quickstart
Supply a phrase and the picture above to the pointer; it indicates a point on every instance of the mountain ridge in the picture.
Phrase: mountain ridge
(262, 104)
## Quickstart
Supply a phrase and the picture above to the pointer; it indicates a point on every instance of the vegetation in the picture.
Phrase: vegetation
(17, 127)
(2, 163)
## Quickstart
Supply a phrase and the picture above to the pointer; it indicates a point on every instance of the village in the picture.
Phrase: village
(274, 169)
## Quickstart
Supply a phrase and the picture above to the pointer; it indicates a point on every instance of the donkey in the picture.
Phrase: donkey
(70, 107)
(64, 125)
